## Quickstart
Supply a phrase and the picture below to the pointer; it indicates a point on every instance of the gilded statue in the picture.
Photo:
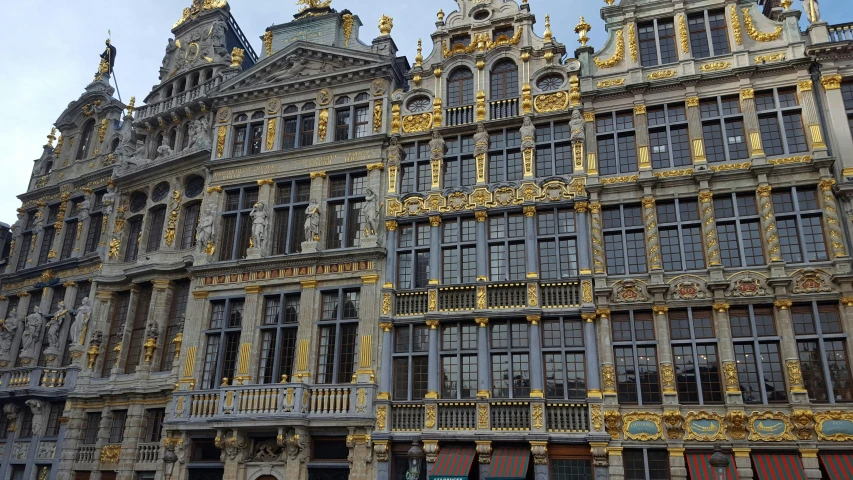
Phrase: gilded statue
(812, 10)
(308, 4)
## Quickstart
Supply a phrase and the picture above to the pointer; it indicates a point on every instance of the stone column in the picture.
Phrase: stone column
(593, 378)
(59, 228)
(539, 450)
(309, 305)
(829, 205)
(591, 146)
(391, 258)
(768, 224)
(667, 370)
(82, 228)
(641, 127)
(617, 469)
(386, 369)
(677, 464)
(482, 246)
(433, 361)
(249, 360)
(838, 127)
(537, 375)
(811, 118)
(70, 444)
(170, 241)
(743, 463)
(694, 130)
(102, 311)
(584, 264)
(318, 189)
(530, 245)
(484, 370)
(811, 464)
(367, 329)
(790, 353)
(605, 349)
(726, 353)
(598, 265)
(750, 122)
(162, 296)
(133, 433)
(435, 250)
(652, 238)
(709, 228)
(198, 311)
(124, 336)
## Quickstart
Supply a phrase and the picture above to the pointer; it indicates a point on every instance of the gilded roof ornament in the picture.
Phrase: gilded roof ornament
(419, 58)
(549, 36)
(197, 7)
(386, 24)
(309, 4)
(582, 28)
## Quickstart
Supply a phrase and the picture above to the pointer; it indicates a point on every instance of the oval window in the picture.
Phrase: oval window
(137, 202)
(419, 104)
(160, 191)
(194, 187)
(550, 83)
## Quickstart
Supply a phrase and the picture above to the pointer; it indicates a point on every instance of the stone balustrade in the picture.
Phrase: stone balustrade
(37, 381)
(290, 399)
(148, 453)
(86, 454)
(500, 416)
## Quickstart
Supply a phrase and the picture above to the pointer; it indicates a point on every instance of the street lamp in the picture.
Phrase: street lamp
(169, 460)
(720, 463)
(416, 454)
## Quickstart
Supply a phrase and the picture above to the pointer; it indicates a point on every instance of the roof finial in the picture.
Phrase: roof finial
(441, 15)
(419, 58)
(582, 28)
(130, 106)
(51, 136)
(549, 36)
(386, 23)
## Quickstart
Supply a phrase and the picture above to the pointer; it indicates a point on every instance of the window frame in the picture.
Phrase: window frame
(623, 232)
(252, 124)
(509, 246)
(798, 214)
(739, 221)
(505, 72)
(410, 355)
(821, 338)
(679, 227)
(723, 120)
(278, 330)
(634, 344)
(646, 465)
(510, 388)
(755, 340)
(693, 343)
(295, 210)
(212, 378)
(415, 168)
(339, 323)
(506, 161)
(419, 275)
(301, 115)
(708, 33)
(667, 128)
(655, 24)
(458, 82)
(352, 109)
(459, 165)
(348, 201)
(118, 324)
(458, 353)
(780, 112)
(460, 246)
(241, 215)
(615, 133)
(558, 237)
(563, 350)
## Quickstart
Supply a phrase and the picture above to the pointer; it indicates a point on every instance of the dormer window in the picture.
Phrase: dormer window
(86, 139)
(460, 88)
(657, 42)
(506, 32)
(419, 104)
(550, 83)
(708, 34)
(461, 41)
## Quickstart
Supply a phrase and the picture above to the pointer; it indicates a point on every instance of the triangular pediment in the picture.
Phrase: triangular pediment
(303, 61)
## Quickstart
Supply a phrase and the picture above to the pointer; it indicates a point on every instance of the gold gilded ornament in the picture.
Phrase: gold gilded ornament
(618, 55)
(753, 31)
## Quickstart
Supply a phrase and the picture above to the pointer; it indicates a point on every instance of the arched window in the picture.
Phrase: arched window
(185, 136)
(208, 74)
(173, 138)
(460, 88)
(86, 139)
(169, 91)
(195, 79)
(248, 137)
(342, 101)
(182, 85)
(505, 80)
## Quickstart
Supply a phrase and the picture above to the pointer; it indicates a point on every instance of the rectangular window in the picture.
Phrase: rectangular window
(93, 235)
(780, 122)
(799, 222)
(117, 426)
(278, 338)
(290, 213)
(624, 240)
(760, 373)
(669, 140)
(223, 341)
(117, 324)
(459, 250)
(26, 245)
(134, 238)
(411, 365)
(635, 355)
(563, 351)
(616, 143)
(155, 232)
(694, 350)
(189, 228)
(553, 151)
(345, 217)
(458, 361)
(722, 129)
(505, 162)
(558, 249)
(708, 34)
(177, 316)
(343, 122)
(506, 247)
(53, 423)
(154, 424)
(138, 329)
(510, 351)
(822, 352)
(237, 223)
(337, 342)
(91, 425)
(68, 240)
(413, 253)
(680, 230)
(739, 230)
(646, 464)
(46, 245)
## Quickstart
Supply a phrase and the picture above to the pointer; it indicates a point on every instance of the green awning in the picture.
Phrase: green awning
(452, 463)
(779, 467)
(700, 467)
(839, 466)
(509, 463)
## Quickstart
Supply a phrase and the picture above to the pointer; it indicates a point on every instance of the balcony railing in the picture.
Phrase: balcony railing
(459, 116)
(841, 33)
(179, 100)
(86, 454)
(498, 296)
(39, 380)
(500, 109)
(148, 453)
(504, 416)
(291, 399)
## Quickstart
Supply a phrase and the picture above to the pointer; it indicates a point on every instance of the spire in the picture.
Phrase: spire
(419, 58)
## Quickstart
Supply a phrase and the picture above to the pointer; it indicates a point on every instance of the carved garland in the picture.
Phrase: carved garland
(753, 31)
(617, 56)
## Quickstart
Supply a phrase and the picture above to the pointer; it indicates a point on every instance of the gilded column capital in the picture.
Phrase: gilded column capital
(831, 82)
(69, 284)
(530, 211)
(161, 283)
(692, 101)
(722, 307)
(805, 85)
(386, 326)
(581, 207)
(266, 181)
(391, 225)
(747, 94)
(481, 216)
(308, 284)
(435, 221)
(649, 202)
(639, 109)
(594, 207)
(534, 319)
(201, 295)
(706, 197)
(211, 190)
(314, 175)
(847, 301)
(826, 184)
(589, 317)
(433, 324)
(589, 117)
(660, 309)
(371, 279)
(603, 312)
(764, 190)
(253, 289)
(482, 322)
(783, 304)
(376, 166)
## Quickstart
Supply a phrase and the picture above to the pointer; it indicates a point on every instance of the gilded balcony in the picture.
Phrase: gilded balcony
(37, 381)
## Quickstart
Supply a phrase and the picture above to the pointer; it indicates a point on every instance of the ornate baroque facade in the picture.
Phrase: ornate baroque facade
(533, 263)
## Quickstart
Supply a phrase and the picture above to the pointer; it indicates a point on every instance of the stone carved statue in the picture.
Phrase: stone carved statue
(38, 221)
(55, 325)
(205, 231)
(437, 146)
(8, 329)
(19, 225)
(39, 410)
(481, 141)
(32, 331)
(81, 322)
(109, 200)
(293, 67)
(528, 134)
(84, 208)
(577, 125)
(394, 152)
(259, 224)
(170, 49)
(312, 222)
(152, 330)
(812, 10)
(217, 40)
(164, 150)
(371, 212)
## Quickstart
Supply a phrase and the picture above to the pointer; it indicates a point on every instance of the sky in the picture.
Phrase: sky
(53, 50)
